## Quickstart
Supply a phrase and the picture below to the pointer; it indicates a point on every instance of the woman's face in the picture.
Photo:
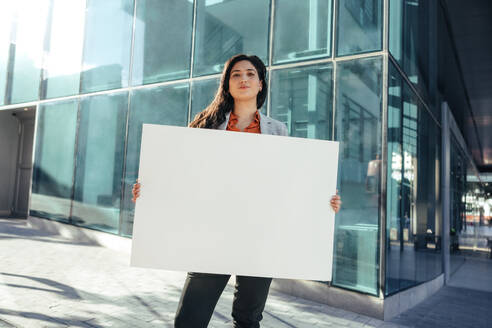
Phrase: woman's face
(244, 82)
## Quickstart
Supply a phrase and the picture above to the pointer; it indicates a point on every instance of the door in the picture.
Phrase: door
(24, 163)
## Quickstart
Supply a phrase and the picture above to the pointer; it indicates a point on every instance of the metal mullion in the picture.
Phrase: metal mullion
(302, 64)
(361, 56)
(34, 140)
(270, 55)
(383, 178)
(383, 192)
(75, 149)
(334, 19)
(83, 49)
(46, 48)
(11, 59)
(125, 149)
(334, 102)
(112, 91)
(192, 62)
(385, 25)
(334, 79)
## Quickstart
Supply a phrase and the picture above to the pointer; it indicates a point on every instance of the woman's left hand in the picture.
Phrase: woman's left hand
(336, 202)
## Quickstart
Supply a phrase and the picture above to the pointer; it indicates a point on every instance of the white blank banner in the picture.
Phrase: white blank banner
(235, 203)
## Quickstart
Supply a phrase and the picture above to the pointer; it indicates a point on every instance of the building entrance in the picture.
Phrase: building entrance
(16, 151)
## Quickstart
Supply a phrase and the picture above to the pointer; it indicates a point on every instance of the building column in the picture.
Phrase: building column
(445, 189)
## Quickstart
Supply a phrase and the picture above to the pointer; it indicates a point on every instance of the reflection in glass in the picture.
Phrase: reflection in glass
(472, 215)
(220, 33)
(302, 99)
(302, 30)
(203, 92)
(413, 199)
(108, 35)
(394, 221)
(63, 60)
(358, 129)
(167, 105)
(6, 14)
(31, 25)
(162, 46)
(458, 190)
(427, 232)
(54, 160)
(409, 39)
(99, 161)
(360, 26)
(409, 188)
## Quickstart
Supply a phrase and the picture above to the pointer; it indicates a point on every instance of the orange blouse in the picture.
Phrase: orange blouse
(253, 127)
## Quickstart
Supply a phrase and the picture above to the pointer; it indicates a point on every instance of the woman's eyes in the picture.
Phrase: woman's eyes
(250, 74)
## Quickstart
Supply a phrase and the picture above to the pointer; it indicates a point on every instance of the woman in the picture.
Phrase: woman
(241, 93)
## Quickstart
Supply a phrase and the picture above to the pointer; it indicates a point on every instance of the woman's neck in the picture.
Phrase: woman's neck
(245, 110)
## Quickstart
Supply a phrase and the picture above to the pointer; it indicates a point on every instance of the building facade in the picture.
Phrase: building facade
(84, 75)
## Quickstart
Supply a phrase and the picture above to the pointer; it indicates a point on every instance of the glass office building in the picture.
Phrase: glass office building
(345, 70)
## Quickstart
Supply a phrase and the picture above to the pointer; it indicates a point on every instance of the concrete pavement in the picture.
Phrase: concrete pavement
(47, 280)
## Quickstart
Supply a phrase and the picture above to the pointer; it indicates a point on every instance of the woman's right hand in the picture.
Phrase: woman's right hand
(136, 191)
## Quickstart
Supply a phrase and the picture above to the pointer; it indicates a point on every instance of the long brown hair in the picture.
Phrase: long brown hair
(215, 113)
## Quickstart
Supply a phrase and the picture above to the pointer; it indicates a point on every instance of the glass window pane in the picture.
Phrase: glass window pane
(203, 92)
(64, 57)
(358, 129)
(108, 35)
(395, 29)
(302, 99)
(414, 227)
(161, 105)
(6, 14)
(54, 160)
(408, 200)
(31, 25)
(394, 231)
(425, 185)
(411, 30)
(302, 30)
(226, 28)
(99, 162)
(160, 24)
(359, 26)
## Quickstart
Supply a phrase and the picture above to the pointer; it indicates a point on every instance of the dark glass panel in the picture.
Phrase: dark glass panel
(29, 46)
(358, 129)
(167, 105)
(359, 26)
(302, 30)
(54, 160)
(99, 162)
(203, 92)
(162, 46)
(394, 232)
(108, 35)
(226, 28)
(302, 98)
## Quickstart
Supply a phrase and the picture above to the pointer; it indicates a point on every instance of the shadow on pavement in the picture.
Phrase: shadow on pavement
(59, 288)
(18, 229)
(132, 307)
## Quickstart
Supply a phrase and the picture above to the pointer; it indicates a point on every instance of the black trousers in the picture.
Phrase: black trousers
(201, 292)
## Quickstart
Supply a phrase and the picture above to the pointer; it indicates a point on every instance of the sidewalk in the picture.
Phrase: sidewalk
(49, 281)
